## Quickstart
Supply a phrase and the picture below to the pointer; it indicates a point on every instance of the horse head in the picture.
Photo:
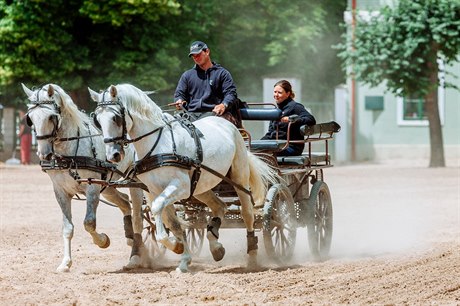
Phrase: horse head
(110, 118)
(44, 115)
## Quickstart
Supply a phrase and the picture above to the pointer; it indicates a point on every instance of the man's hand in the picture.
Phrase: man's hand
(219, 109)
(179, 104)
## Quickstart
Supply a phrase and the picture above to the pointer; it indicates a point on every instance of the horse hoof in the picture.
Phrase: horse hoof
(134, 263)
(179, 248)
(181, 270)
(218, 253)
(63, 269)
(107, 242)
(252, 260)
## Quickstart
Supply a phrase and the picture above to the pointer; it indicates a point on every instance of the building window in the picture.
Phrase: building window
(414, 109)
(411, 111)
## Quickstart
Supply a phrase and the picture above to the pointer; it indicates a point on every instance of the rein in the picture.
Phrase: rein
(150, 162)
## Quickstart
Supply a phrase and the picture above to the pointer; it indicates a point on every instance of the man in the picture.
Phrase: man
(207, 87)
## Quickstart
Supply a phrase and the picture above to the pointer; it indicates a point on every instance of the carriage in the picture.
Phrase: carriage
(302, 200)
(252, 188)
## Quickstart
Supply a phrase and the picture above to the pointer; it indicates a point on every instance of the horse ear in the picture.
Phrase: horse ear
(113, 91)
(50, 90)
(94, 95)
(27, 91)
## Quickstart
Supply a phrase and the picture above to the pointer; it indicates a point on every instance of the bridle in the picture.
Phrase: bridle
(123, 139)
(45, 104)
(52, 137)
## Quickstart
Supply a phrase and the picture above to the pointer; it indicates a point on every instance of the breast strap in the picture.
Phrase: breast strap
(79, 163)
(152, 162)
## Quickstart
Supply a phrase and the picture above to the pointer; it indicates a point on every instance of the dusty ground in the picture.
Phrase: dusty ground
(396, 241)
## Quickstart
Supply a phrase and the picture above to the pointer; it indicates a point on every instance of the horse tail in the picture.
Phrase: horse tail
(261, 176)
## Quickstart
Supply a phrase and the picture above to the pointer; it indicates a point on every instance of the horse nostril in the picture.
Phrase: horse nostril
(117, 157)
(48, 156)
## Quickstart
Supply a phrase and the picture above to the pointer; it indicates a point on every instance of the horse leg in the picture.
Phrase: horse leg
(64, 201)
(168, 196)
(92, 201)
(240, 173)
(138, 250)
(172, 222)
(247, 213)
(122, 201)
(218, 208)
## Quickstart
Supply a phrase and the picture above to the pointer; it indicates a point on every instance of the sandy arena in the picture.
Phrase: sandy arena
(396, 241)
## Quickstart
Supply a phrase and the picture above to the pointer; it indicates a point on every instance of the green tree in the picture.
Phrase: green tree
(80, 43)
(402, 46)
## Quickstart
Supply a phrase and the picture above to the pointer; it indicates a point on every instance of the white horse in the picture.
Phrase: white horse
(70, 147)
(175, 165)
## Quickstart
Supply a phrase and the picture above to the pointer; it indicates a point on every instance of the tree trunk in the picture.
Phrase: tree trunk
(434, 121)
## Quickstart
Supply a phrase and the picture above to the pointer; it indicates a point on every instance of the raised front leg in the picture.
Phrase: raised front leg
(162, 208)
(64, 201)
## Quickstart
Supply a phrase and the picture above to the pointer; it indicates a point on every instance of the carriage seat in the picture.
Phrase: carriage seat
(304, 160)
(269, 145)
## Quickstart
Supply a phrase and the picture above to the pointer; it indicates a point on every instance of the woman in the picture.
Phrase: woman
(284, 97)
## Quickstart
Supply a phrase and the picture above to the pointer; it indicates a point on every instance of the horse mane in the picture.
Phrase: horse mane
(139, 104)
(69, 110)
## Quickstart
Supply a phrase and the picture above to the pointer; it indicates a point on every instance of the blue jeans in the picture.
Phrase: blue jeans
(291, 151)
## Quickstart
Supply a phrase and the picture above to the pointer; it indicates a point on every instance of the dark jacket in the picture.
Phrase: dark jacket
(205, 89)
(290, 107)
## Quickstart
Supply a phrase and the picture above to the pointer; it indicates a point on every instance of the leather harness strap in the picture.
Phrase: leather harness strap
(79, 162)
(152, 162)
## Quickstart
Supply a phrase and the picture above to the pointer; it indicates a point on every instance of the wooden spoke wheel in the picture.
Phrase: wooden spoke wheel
(319, 220)
(156, 250)
(279, 224)
(195, 239)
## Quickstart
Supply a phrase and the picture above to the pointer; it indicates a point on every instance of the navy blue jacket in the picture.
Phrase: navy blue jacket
(205, 89)
(290, 107)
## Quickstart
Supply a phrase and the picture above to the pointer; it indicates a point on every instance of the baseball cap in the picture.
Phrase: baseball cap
(196, 47)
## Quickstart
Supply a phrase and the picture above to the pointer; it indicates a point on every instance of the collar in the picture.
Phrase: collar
(284, 103)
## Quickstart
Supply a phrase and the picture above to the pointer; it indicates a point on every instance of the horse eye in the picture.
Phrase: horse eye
(117, 120)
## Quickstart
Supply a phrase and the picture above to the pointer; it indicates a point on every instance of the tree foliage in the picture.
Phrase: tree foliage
(80, 43)
(401, 44)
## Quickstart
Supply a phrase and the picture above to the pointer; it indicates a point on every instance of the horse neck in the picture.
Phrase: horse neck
(70, 128)
(143, 126)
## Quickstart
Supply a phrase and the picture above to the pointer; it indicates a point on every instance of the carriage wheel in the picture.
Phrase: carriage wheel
(279, 225)
(319, 220)
(156, 250)
(195, 239)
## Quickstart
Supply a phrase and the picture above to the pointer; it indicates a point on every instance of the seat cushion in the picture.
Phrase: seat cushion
(267, 145)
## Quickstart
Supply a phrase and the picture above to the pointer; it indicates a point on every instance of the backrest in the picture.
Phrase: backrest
(260, 113)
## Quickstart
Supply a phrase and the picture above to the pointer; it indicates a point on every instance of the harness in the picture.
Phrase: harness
(150, 162)
(75, 162)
